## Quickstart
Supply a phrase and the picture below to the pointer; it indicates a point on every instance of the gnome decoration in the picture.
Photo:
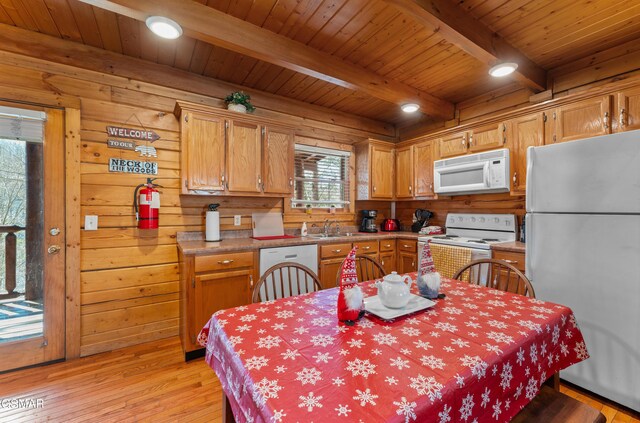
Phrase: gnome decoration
(428, 279)
(350, 298)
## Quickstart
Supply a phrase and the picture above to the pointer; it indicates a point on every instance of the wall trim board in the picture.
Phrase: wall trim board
(72, 199)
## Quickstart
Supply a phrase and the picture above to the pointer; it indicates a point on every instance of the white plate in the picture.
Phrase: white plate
(373, 305)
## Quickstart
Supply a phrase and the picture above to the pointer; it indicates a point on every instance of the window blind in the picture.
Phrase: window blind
(321, 177)
(21, 124)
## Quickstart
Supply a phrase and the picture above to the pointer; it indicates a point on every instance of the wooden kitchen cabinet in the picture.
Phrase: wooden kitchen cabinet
(210, 283)
(423, 169)
(375, 175)
(516, 259)
(407, 255)
(628, 110)
(404, 172)
(523, 132)
(487, 137)
(244, 158)
(388, 255)
(583, 119)
(203, 152)
(278, 154)
(452, 144)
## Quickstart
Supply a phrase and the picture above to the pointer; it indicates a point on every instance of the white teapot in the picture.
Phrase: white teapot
(393, 291)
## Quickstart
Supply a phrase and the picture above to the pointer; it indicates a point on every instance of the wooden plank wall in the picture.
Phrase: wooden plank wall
(479, 203)
(129, 279)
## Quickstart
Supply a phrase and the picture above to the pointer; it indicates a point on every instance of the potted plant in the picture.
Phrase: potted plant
(238, 101)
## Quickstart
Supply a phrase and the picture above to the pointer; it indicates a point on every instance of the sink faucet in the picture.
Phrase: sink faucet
(327, 226)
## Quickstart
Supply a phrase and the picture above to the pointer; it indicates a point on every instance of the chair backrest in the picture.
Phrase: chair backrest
(284, 280)
(366, 268)
(497, 274)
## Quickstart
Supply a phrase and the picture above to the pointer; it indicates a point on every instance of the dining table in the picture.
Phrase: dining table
(476, 355)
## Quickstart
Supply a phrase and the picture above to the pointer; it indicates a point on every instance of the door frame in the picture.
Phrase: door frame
(72, 212)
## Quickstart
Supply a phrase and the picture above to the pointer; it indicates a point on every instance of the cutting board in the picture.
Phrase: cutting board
(267, 224)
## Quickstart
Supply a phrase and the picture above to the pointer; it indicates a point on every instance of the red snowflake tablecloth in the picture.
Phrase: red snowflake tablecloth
(478, 355)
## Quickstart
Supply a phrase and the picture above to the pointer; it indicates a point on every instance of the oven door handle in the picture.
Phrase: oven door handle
(485, 174)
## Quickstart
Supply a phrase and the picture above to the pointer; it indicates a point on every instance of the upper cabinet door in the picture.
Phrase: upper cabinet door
(583, 119)
(203, 152)
(404, 172)
(628, 110)
(381, 171)
(487, 137)
(526, 131)
(452, 145)
(244, 158)
(423, 169)
(278, 160)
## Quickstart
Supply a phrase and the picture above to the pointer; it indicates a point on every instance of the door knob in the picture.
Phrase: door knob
(53, 249)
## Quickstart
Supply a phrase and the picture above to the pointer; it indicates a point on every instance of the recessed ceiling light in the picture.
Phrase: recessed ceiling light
(503, 69)
(410, 107)
(164, 27)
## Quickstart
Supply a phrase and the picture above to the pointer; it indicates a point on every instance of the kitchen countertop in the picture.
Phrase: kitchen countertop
(199, 246)
(512, 246)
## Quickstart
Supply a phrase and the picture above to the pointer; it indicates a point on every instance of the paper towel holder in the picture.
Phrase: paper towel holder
(212, 224)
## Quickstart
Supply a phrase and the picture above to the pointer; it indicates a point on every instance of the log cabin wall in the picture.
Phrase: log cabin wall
(129, 279)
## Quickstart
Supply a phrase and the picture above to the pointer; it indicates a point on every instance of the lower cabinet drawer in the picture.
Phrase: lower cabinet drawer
(408, 245)
(334, 250)
(387, 245)
(513, 258)
(366, 247)
(223, 261)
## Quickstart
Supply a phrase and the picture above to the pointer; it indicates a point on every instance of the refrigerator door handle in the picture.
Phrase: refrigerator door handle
(529, 182)
(529, 246)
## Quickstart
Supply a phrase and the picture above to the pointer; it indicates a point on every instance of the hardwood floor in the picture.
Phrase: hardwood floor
(148, 382)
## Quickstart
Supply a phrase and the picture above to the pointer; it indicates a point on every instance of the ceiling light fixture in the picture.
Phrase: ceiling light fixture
(410, 107)
(503, 69)
(164, 27)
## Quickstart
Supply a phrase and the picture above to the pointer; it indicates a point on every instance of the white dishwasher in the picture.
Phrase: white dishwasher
(301, 254)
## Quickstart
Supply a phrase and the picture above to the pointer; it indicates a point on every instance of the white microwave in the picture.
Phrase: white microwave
(473, 173)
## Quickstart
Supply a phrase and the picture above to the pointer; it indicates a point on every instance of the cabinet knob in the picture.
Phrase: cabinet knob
(387, 246)
(251, 280)
(336, 251)
(510, 261)
(431, 186)
(366, 248)
(54, 249)
(225, 261)
(410, 188)
(290, 182)
(405, 245)
(605, 120)
(374, 188)
(470, 140)
(515, 177)
(464, 141)
(382, 262)
(621, 119)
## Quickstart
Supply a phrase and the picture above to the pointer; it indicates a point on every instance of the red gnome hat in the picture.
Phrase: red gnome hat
(350, 298)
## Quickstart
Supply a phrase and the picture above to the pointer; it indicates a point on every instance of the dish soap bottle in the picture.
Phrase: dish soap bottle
(303, 231)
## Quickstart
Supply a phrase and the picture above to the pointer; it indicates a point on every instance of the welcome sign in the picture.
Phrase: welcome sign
(132, 166)
(132, 133)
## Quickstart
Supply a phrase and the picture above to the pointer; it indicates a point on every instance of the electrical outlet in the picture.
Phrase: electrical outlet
(91, 223)
(237, 220)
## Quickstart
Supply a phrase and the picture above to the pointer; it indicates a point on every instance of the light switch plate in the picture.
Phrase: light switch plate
(237, 220)
(91, 222)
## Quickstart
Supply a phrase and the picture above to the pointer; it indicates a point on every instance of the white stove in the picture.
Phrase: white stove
(476, 231)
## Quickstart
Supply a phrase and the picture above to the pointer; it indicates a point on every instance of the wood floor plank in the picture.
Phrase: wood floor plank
(152, 383)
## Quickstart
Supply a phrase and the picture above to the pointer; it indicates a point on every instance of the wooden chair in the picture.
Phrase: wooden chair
(285, 280)
(497, 274)
(552, 406)
(366, 268)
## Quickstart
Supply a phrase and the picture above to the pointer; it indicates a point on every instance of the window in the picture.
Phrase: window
(321, 177)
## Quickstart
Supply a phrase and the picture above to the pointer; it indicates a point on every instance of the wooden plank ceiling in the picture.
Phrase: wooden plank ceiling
(372, 34)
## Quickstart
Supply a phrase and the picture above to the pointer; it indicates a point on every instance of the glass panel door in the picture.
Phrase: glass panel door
(31, 236)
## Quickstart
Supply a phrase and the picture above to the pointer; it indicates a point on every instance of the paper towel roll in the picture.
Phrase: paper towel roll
(212, 232)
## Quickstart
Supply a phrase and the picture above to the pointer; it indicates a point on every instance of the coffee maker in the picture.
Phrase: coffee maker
(369, 221)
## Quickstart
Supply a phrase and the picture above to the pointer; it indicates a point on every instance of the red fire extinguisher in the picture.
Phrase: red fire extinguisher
(147, 205)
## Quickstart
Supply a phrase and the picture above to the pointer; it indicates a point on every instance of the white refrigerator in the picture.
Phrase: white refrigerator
(583, 251)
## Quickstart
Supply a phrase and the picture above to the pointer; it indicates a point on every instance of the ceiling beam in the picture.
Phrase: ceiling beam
(470, 35)
(212, 26)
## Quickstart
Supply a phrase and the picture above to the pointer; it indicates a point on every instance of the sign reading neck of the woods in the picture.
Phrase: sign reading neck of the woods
(132, 166)
(132, 133)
